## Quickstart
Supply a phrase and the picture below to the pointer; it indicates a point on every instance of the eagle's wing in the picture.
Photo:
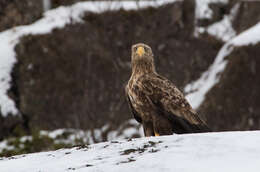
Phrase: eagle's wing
(169, 101)
(135, 114)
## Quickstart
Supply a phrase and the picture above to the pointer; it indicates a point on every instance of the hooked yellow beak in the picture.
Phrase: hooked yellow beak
(140, 51)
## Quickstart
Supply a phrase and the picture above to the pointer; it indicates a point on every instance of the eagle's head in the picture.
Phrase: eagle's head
(141, 51)
(142, 58)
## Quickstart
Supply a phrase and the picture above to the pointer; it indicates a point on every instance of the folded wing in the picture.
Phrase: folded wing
(171, 103)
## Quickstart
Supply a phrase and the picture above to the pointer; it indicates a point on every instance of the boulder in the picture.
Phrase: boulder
(233, 103)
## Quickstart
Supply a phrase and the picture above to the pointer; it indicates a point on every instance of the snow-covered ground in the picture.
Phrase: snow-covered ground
(207, 152)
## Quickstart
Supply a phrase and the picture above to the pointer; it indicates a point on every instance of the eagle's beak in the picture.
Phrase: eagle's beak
(140, 51)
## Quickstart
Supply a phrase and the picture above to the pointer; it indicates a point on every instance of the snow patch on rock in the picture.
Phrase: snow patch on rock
(197, 90)
(222, 30)
(202, 10)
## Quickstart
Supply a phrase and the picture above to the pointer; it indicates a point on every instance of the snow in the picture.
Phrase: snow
(214, 152)
(56, 18)
(250, 36)
(26, 138)
(202, 10)
(222, 30)
(4, 146)
(197, 90)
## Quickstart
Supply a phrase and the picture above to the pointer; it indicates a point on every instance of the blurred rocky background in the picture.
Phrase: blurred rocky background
(73, 78)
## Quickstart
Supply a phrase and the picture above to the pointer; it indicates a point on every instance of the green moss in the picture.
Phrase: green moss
(19, 131)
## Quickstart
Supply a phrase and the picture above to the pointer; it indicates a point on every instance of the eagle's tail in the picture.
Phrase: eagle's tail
(191, 123)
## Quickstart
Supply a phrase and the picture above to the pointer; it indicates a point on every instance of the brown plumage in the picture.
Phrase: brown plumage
(155, 101)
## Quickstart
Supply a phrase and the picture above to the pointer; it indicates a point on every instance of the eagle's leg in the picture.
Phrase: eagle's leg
(162, 126)
(148, 129)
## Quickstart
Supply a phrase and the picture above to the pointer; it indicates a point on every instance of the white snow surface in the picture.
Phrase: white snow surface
(197, 90)
(56, 18)
(214, 152)
(222, 30)
(250, 36)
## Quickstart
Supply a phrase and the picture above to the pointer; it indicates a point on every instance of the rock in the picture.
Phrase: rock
(248, 15)
(233, 103)
(16, 12)
(11, 125)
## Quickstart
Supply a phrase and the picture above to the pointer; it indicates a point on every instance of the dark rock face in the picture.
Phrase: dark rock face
(17, 12)
(233, 103)
(10, 124)
(75, 77)
(248, 16)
